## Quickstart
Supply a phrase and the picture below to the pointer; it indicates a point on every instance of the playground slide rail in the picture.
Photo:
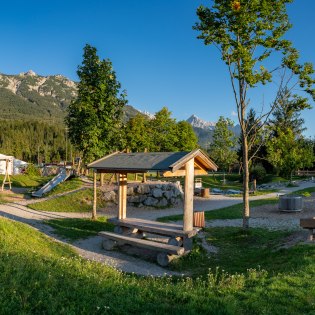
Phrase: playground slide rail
(59, 178)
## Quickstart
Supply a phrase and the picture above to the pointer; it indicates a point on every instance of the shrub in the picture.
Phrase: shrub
(258, 172)
(32, 170)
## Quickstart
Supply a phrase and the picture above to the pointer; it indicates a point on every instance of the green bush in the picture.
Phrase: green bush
(258, 172)
(32, 170)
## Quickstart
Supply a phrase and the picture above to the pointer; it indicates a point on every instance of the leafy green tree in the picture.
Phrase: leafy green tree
(287, 149)
(288, 153)
(164, 133)
(247, 33)
(223, 146)
(138, 134)
(186, 138)
(95, 117)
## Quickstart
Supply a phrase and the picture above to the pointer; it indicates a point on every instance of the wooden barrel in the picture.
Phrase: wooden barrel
(199, 219)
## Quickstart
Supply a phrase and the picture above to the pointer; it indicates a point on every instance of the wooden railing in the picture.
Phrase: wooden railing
(305, 173)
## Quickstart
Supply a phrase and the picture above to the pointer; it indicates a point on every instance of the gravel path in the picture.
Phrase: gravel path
(90, 248)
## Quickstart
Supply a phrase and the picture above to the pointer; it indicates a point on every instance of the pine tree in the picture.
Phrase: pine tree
(95, 117)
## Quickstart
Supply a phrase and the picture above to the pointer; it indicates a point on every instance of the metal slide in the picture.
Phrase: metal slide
(61, 177)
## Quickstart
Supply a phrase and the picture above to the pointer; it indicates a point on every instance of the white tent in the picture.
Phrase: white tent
(18, 165)
(15, 165)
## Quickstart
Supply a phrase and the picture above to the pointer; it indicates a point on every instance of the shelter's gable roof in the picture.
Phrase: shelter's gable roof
(146, 161)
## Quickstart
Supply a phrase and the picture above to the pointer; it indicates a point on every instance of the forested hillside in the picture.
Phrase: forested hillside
(32, 112)
(33, 140)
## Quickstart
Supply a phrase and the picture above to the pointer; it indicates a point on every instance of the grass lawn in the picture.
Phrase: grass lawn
(2, 198)
(41, 276)
(27, 181)
(306, 192)
(80, 201)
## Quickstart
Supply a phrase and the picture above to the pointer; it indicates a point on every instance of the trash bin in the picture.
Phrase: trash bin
(290, 203)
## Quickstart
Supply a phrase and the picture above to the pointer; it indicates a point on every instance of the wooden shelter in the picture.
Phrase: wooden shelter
(170, 164)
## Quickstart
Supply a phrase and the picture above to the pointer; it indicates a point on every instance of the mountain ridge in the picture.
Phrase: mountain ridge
(29, 96)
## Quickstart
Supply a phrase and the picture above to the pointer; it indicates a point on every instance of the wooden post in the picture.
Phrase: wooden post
(94, 196)
(189, 196)
(144, 178)
(102, 179)
(122, 204)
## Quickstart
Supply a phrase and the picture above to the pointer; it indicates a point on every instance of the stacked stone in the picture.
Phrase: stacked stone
(158, 195)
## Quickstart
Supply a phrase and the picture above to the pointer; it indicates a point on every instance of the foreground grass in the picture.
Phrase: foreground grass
(39, 276)
(74, 229)
(231, 212)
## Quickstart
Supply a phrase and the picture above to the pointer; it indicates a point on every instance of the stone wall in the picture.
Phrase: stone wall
(151, 194)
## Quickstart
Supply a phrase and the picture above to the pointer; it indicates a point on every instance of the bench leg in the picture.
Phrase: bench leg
(176, 241)
(108, 244)
(311, 236)
(188, 243)
(164, 259)
(124, 230)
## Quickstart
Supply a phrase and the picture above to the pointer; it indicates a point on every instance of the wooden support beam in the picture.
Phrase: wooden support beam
(94, 196)
(122, 203)
(102, 179)
(189, 196)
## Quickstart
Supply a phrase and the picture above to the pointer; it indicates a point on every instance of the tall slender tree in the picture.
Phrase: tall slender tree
(95, 117)
(247, 33)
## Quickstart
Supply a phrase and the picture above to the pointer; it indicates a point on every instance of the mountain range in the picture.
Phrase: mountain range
(28, 96)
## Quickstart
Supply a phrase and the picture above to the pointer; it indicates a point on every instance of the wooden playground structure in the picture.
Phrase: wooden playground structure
(131, 230)
(6, 179)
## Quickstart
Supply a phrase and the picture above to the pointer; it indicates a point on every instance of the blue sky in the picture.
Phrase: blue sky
(154, 50)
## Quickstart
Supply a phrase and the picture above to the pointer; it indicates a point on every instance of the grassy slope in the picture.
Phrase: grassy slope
(39, 276)
(80, 201)
(68, 185)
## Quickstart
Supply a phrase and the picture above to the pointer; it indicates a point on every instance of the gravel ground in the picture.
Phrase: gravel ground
(269, 216)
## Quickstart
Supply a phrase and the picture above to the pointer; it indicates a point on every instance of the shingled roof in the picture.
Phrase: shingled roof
(150, 161)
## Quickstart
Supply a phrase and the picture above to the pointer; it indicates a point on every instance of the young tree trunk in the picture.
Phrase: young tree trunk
(94, 216)
(245, 182)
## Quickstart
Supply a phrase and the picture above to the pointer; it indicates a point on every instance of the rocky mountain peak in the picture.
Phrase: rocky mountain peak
(200, 123)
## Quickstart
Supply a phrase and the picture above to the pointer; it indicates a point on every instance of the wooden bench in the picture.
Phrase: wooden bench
(159, 228)
(309, 224)
(165, 254)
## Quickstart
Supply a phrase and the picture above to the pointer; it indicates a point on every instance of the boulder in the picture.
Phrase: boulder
(109, 196)
(157, 193)
(130, 191)
(162, 203)
(150, 202)
(168, 194)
